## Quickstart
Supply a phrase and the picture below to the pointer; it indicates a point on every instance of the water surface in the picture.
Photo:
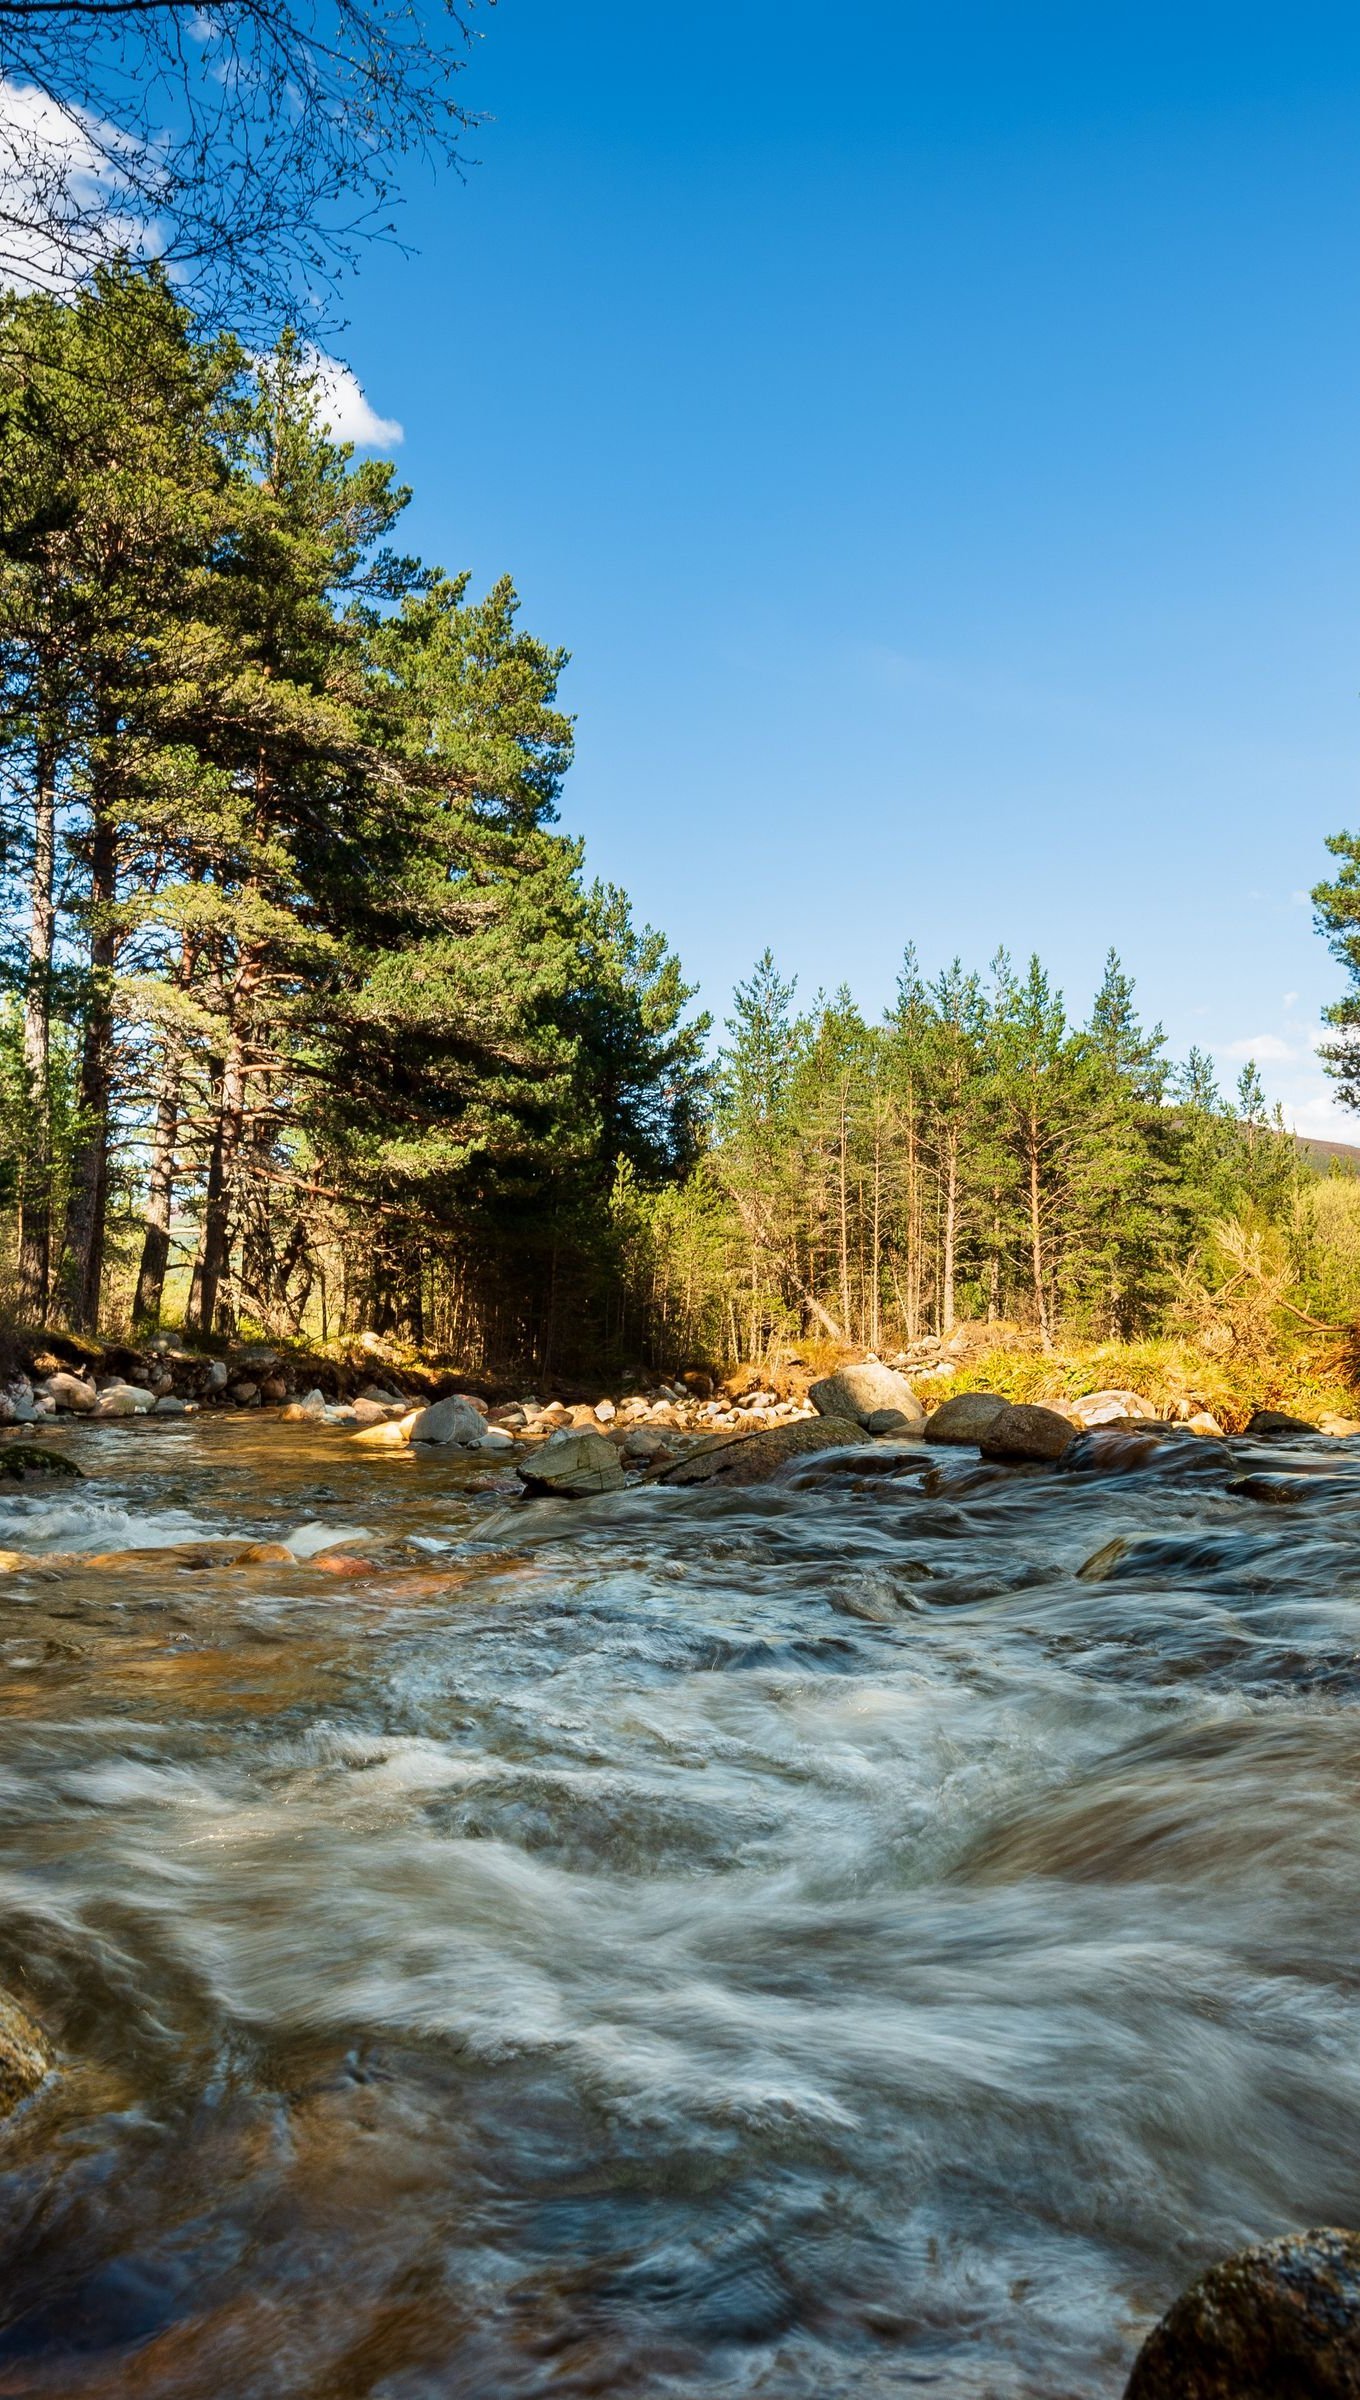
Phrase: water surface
(801, 1941)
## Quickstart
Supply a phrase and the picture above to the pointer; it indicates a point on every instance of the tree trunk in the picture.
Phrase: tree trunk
(951, 1217)
(214, 1255)
(876, 1240)
(844, 1223)
(1036, 1244)
(83, 1265)
(35, 1202)
(160, 1190)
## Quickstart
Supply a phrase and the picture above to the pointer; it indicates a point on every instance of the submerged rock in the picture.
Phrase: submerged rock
(1026, 1431)
(755, 1457)
(966, 1417)
(19, 1460)
(25, 2057)
(573, 1465)
(1280, 2321)
(860, 1391)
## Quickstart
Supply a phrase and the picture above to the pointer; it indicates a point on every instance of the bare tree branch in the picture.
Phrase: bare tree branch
(254, 146)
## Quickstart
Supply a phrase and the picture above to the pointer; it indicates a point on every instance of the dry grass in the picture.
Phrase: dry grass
(1166, 1373)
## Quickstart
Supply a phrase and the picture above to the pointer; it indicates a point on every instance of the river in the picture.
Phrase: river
(685, 1945)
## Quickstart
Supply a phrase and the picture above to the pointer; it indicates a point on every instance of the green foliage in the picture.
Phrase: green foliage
(313, 992)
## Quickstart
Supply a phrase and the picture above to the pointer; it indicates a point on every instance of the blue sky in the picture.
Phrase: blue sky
(934, 433)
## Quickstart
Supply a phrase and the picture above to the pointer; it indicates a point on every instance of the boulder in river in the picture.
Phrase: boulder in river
(25, 2059)
(449, 1423)
(859, 1391)
(1274, 1425)
(73, 1393)
(394, 1435)
(573, 1465)
(966, 1417)
(1280, 2321)
(20, 1460)
(755, 1457)
(1026, 1431)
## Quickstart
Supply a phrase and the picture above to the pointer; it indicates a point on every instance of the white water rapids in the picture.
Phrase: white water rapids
(688, 1945)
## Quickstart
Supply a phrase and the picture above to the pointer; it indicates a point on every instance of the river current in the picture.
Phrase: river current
(686, 1945)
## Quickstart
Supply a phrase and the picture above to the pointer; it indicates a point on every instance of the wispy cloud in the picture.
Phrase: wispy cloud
(1266, 1048)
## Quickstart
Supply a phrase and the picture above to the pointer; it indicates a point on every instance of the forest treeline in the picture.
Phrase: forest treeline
(981, 1156)
(313, 1023)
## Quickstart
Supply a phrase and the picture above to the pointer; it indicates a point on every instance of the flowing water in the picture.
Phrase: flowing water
(787, 1942)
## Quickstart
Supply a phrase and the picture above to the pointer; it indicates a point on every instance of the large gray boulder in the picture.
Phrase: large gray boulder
(861, 1392)
(574, 1465)
(965, 1418)
(72, 1392)
(25, 2059)
(1025, 1431)
(450, 1423)
(755, 1457)
(1280, 2321)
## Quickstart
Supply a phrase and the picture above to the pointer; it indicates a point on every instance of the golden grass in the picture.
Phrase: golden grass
(1165, 1373)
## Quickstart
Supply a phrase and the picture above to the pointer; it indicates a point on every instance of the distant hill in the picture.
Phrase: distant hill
(1321, 1154)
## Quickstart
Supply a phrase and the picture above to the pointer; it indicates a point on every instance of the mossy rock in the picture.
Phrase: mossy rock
(19, 1460)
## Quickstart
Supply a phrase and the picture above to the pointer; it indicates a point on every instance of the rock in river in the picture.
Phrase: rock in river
(1272, 1425)
(1025, 1431)
(573, 1465)
(860, 1392)
(966, 1417)
(755, 1457)
(25, 2060)
(19, 1460)
(449, 1422)
(1280, 2321)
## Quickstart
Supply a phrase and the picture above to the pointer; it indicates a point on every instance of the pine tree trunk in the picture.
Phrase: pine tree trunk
(35, 1205)
(1036, 1245)
(951, 1215)
(876, 1243)
(215, 1247)
(160, 1191)
(83, 1265)
(844, 1221)
(913, 1224)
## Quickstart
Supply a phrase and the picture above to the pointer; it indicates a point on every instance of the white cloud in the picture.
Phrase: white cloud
(1291, 999)
(59, 189)
(1266, 1048)
(1322, 1115)
(344, 408)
